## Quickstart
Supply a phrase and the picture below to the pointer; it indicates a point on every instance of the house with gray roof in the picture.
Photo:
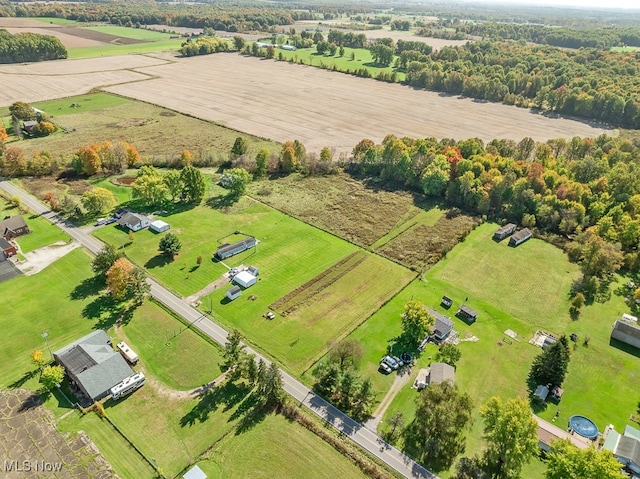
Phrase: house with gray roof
(227, 250)
(441, 372)
(12, 227)
(625, 447)
(134, 221)
(93, 365)
(442, 327)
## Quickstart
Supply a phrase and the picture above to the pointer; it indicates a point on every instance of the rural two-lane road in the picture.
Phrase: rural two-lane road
(359, 434)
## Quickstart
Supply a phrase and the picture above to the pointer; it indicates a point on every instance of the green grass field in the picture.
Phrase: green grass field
(310, 56)
(276, 448)
(625, 49)
(110, 50)
(122, 193)
(80, 104)
(127, 32)
(54, 20)
(508, 287)
(173, 353)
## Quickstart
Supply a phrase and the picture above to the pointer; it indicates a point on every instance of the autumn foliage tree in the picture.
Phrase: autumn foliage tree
(52, 200)
(98, 200)
(288, 160)
(51, 376)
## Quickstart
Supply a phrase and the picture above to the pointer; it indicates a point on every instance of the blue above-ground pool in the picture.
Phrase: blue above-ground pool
(583, 426)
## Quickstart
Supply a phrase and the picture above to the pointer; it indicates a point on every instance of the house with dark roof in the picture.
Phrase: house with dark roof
(134, 221)
(93, 365)
(520, 237)
(626, 331)
(8, 250)
(227, 250)
(442, 327)
(467, 314)
(505, 231)
(625, 447)
(12, 227)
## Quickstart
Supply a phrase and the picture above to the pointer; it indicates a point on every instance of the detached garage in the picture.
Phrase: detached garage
(159, 226)
(245, 279)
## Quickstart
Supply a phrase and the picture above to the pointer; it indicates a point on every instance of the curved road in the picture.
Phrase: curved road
(364, 437)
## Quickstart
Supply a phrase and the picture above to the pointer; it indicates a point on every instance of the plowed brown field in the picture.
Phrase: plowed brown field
(283, 101)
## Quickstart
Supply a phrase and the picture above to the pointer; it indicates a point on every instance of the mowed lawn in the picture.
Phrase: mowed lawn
(601, 379)
(80, 103)
(276, 448)
(299, 339)
(289, 253)
(530, 282)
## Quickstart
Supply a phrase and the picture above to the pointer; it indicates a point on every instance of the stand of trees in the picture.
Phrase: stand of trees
(29, 47)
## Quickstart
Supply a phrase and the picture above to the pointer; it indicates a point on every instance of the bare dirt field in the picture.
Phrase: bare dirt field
(62, 78)
(64, 35)
(283, 101)
(32, 447)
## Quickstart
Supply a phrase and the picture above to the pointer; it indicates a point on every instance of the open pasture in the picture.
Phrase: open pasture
(231, 89)
(274, 446)
(99, 116)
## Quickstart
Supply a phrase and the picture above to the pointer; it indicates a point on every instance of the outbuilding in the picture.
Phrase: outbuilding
(467, 314)
(520, 237)
(159, 226)
(245, 279)
(233, 293)
(505, 231)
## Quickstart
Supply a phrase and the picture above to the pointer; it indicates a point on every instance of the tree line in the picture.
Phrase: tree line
(29, 47)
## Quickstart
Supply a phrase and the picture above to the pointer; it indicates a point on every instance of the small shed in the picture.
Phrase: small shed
(467, 314)
(245, 279)
(556, 393)
(446, 302)
(505, 231)
(233, 293)
(541, 392)
(195, 473)
(253, 270)
(520, 237)
(159, 226)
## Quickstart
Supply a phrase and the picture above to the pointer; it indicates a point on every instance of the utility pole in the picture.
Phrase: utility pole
(45, 335)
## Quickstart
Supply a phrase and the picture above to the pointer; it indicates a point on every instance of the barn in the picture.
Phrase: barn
(159, 226)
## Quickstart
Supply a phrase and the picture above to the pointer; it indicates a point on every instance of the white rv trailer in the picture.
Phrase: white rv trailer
(127, 386)
(127, 352)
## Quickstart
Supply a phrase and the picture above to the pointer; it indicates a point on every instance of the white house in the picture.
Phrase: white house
(134, 221)
(233, 293)
(245, 279)
(159, 226)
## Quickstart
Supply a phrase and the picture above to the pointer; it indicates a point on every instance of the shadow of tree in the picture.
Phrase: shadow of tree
(158, 261)
(253, 414)
(100, 306)
(222, 201)
(88, 287)
(25, 377)
(34, 400)
(226, 395)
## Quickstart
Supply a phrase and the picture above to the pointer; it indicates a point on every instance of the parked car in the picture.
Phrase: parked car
(391, 362)
(109, 221)
(101, 221)
(384, 368)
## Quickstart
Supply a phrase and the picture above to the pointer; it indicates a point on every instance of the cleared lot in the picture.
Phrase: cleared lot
(283, 101)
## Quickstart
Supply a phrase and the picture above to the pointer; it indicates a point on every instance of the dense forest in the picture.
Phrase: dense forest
(603, 38)
(29, 47)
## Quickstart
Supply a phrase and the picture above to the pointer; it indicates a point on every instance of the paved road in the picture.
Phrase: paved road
(362, 436)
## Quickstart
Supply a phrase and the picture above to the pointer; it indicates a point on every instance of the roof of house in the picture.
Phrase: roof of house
(4, 244)
(94, 363)
(443, 324)
(631, 431)
(627, 327)
(195, 473)
(505, 228)
(542, 392)
(247, 242)
(548, 432)
(12, 224)
(131, 219)
(524, 233)
(441, 372)
(629, 448)
(466, 310)
(234, 290)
